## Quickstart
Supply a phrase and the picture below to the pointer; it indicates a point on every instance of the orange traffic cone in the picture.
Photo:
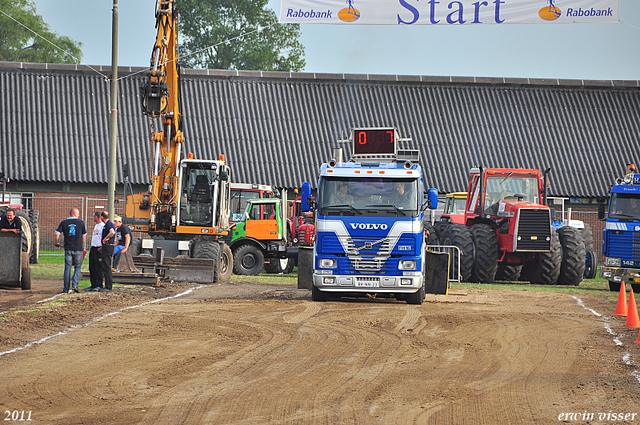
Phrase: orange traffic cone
(621, 308)
(633, 321)
(638, 341)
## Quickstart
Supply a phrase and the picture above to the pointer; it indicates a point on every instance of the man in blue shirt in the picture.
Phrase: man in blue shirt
(75, 237)
(108, 241)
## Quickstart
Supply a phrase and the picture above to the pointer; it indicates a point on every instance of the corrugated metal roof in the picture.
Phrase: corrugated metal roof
(278, 127)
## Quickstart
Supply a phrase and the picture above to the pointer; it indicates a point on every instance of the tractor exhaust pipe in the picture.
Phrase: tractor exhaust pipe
(545, 189)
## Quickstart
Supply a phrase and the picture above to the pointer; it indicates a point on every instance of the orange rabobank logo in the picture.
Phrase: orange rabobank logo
(349, 14)
(551, 12)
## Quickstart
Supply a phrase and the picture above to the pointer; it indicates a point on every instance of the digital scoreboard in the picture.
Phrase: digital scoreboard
(374, 141)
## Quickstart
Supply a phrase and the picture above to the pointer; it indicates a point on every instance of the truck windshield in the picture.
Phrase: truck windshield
(385, 197)
(625, 206)
(509, 187)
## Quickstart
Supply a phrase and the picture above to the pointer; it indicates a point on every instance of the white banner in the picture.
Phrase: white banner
(447, 12)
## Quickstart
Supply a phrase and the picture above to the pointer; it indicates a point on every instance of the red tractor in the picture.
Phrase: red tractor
(507, 232)
(302, 225)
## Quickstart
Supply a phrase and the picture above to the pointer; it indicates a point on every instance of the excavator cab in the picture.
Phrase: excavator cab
(204, 194)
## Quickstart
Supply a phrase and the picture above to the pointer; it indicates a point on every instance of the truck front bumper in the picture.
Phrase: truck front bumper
(618, 274)
(367, 284)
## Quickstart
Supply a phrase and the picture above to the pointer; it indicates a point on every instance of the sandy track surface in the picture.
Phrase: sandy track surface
(261, 354)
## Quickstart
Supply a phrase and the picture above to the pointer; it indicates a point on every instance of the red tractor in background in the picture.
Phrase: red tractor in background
(303, 227)
(507, 232)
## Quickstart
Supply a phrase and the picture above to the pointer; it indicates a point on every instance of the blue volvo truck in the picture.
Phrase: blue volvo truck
(621, 242)
(370, 237)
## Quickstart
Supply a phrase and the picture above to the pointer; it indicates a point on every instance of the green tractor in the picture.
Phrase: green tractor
(262, 238)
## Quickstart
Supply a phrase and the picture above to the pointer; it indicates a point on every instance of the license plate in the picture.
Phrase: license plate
(367, 284)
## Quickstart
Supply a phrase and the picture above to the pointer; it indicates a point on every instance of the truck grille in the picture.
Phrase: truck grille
(533, 230)
(625, 245)
(368, 246)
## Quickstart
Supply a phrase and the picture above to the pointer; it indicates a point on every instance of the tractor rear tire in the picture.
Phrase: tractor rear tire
(459, 235)
(587, 237)
(248, 260)
(135, 248)
(432, 238)
(508, 273)
(486, 250)
(573, 256)
(34, 255)
(210, 250)
(546, 269)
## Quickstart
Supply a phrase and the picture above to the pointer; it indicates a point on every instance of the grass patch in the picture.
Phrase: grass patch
(52, 267)
(269, 278)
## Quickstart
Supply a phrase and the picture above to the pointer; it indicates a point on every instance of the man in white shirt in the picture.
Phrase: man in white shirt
(95, 257)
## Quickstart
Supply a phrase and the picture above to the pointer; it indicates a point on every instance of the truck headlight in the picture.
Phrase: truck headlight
(327, 263)
(612, 261)
(407, 265)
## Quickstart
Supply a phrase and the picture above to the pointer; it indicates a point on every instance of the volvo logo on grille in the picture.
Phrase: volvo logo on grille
(369, 226)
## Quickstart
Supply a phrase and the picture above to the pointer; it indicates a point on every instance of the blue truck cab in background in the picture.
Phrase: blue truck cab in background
(369, 224)
(621, 242)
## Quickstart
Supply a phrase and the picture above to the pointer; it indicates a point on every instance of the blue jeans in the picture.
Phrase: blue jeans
(69, 258)
(117, 249)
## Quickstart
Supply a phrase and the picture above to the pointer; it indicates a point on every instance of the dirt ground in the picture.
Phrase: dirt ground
(247, 353)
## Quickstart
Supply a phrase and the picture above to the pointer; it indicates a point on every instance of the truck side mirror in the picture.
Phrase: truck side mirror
(305, 196)
(433, 198)
(224, 176)
(552, 211)
(602, 209)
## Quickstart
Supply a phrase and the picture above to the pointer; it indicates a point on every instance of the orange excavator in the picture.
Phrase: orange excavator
(186, 210)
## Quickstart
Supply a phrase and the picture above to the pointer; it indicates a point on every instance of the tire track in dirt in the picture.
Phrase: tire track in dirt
(516, 357)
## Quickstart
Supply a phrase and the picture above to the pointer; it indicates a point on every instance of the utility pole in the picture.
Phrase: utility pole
(113, 129)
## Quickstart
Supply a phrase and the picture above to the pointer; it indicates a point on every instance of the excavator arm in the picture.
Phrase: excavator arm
(161, 99)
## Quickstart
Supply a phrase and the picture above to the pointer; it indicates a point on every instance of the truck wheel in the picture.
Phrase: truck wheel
(34, 255)
(587, 237)
(417, 298)
(226, 263)
(486, 249)
(459, 235)
(546, 269)
(209, 250)
(305, 268)
(508, 273)
(248, 260)
(573, 256)
(318, 295)
(279, 265)
(591, 265)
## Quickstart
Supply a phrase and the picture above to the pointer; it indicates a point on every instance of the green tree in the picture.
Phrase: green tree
(18, 44)
(205, 23)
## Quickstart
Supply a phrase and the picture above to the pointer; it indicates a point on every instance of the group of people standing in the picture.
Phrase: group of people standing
(109, 239)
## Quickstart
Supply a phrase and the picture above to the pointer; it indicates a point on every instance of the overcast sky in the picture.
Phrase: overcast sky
(576, 51)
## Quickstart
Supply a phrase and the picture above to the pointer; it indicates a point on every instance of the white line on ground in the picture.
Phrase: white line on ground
(626, 357)
(97, 319)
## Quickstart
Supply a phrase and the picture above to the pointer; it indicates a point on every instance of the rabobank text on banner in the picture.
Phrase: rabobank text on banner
(446, 12)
